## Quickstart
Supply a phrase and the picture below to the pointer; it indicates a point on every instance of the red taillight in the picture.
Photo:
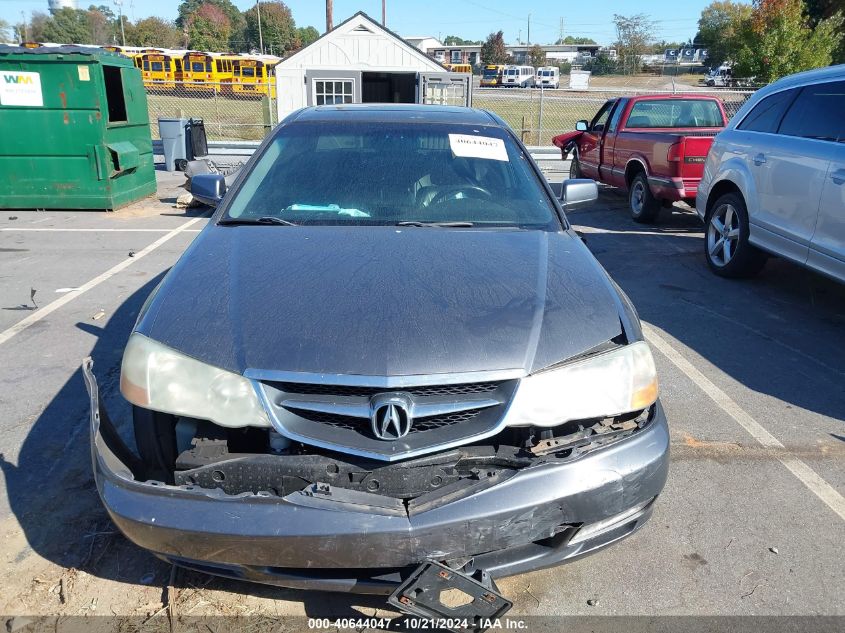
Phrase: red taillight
(675, 153)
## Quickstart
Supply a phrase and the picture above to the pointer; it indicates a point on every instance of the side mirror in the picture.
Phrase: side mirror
(577, 191)
(208, 188)
(581, 126)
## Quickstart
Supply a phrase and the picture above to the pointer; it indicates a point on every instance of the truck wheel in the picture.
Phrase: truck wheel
(726, 247)
(644, 206)
(574, 167)
(155, 437)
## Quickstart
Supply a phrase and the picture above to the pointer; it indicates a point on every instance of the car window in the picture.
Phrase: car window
(330, 172)
(675, 113)
(601, 116)
(817, 112)
(617, 114)
(766, 115)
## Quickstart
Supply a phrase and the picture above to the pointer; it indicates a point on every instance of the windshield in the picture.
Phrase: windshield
(491, 72)
(386, 173)
(669, 113)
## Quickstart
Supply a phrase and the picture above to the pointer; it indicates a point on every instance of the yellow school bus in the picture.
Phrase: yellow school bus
(198, 71)
(132, 52)
(162, 70)
(254, 77)
(459, 68)
(491, 75)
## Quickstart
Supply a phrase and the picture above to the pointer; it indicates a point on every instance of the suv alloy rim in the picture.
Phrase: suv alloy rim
(723, 234)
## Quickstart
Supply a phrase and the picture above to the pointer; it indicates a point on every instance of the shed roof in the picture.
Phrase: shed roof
(361, 43)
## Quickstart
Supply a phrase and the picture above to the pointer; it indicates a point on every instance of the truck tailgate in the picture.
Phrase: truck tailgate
(693, 155)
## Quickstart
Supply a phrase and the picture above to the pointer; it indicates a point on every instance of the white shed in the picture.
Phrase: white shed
(360, 61)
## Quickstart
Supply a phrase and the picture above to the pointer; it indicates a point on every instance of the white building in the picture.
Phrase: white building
(360, 61)
(424, 42)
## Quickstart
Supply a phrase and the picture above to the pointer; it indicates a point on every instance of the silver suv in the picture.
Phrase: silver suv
(774, 180)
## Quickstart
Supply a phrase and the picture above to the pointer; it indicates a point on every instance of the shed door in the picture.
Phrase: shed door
(329, 87)
(445, 89)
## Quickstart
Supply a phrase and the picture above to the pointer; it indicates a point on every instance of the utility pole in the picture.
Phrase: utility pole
(529, 29)
(260, 35)
(384, 13)
(119, 4)
(561, 31)
(25, 27)
(329, 15)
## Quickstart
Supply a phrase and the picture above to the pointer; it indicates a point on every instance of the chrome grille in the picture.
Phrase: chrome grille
(343, 417)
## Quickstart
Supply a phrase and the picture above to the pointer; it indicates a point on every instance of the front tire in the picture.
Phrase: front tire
(726, 246)
(642, 203)
(575, 166)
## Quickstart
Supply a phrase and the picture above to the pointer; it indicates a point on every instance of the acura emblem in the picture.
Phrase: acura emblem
(390, 417)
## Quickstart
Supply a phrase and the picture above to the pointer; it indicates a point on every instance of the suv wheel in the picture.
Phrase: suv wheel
(644, 206)
(726, 245)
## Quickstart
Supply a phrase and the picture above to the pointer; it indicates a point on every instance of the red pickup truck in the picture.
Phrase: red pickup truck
(653, 146)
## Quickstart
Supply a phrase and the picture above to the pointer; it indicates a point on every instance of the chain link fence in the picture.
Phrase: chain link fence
(540, 114)
(536, 114)
(229, 111)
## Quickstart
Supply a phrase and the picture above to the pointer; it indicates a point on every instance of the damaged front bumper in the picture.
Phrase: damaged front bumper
(337, 539)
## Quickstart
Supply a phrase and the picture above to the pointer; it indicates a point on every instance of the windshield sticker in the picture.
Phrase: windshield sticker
(469, 146)
(20, 89)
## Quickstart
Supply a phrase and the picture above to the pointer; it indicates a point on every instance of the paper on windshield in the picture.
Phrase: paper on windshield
(469, 146)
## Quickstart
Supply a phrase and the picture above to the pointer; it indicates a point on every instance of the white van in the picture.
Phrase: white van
(547, 77)
(518, 76)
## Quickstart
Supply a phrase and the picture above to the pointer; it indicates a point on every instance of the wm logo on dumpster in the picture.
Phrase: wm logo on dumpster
(18, 79)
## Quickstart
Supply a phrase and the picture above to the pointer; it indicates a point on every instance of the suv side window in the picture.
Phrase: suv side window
(766, 115)
(818, 112)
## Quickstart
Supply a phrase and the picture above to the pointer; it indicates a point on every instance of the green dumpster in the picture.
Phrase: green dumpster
(74, 130)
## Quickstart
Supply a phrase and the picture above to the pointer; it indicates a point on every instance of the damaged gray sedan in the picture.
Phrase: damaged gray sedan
(388, 349)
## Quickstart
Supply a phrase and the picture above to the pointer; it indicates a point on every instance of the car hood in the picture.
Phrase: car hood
(383, 301)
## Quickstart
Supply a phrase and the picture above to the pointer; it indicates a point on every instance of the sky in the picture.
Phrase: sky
(675, 20)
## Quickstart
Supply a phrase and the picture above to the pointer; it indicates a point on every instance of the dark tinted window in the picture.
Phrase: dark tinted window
(766, 115)
(818, 112)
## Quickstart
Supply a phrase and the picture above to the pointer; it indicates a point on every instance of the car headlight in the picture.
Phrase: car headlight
(156, 377)
(606, 385)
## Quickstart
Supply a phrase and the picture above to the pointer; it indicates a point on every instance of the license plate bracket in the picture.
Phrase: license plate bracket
(420, 595)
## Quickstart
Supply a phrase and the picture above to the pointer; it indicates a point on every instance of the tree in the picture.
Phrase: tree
(536, 56)
(818, 10)
(66, 26)
(101, 29)
(601, 64)
(454, 40)
(6, 31)
(719, 28)
(633, 39)
(209, 29)
(576, 40)
(236, 20)
(493, 50)
(777, 40)
(306, 35)
(155, 32)
(277, 28)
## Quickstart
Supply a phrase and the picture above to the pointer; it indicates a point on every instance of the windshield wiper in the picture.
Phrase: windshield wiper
(266, 219)
(436, 224)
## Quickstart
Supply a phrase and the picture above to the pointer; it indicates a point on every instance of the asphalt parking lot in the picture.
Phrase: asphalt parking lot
(751, 522)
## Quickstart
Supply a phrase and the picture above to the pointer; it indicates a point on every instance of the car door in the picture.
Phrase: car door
(788, 168)
(827, 248)
(590, 142)
(609, 167)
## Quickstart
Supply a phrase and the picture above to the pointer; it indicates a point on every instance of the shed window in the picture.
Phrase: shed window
(332, 92)
(114, 94)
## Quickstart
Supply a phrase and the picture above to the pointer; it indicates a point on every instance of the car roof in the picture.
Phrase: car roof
(398, 113)
(829, 73)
